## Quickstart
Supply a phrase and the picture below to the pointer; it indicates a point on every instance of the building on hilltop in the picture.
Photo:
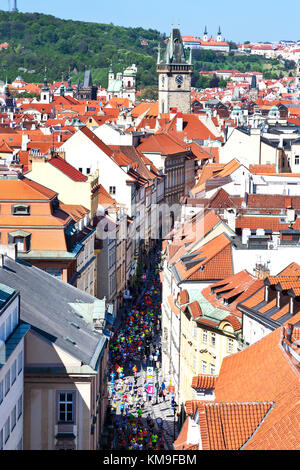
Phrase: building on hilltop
(206, 43)
(174, 76)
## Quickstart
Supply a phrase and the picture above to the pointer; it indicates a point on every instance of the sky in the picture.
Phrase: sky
(252, 20)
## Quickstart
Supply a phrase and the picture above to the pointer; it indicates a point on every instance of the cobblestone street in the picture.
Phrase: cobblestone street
(140, 420)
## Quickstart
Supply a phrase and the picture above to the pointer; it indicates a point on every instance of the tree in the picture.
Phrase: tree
(214, 82)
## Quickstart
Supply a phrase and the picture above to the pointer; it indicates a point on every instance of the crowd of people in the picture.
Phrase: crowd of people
(134, 346)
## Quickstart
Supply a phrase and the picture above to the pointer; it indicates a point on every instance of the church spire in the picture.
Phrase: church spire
(45, 86)
(158, 54)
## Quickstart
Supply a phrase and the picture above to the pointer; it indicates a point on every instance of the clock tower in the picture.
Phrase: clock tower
(174, 76)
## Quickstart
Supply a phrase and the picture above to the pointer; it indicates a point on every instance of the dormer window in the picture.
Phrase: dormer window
(21, 239)
(21, 209)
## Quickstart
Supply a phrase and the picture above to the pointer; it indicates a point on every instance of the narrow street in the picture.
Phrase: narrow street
(140, 410)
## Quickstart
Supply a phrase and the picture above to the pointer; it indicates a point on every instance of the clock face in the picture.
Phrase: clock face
(179, 79)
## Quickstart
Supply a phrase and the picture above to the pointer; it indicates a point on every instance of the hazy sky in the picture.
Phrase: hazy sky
(240, 20)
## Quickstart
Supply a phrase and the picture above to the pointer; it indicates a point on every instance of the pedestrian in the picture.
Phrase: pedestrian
(164, 393)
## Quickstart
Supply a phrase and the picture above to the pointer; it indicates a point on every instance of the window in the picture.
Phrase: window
(15, 317)
(112, 190)
(297, 159)
(1, 439)
(13, 372)
(21, 209)
(204, 367)
(20, 362)
(213, 339)
(80, 169)
(2, 331)
(212, 369)
(7, 382)
(88, 171)
(204, 336)
(20, 406)
(13, 418)
(65, 407)
(194, 362)
(20, 243)
(8, 327)
(230, 345)
(1, 392)
(195, 331)
(7, 430)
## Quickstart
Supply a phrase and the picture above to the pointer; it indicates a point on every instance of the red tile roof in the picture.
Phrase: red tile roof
(67, 169)
(204, 381)
(230, 425)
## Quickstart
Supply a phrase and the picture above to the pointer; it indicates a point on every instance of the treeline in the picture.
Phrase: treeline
(64, 47)
(38, 41)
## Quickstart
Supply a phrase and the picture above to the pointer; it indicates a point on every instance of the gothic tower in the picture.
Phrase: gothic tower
(174, 76)
(219, 35)
(253, 92)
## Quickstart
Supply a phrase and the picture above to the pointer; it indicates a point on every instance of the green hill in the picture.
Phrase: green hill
(38, 41)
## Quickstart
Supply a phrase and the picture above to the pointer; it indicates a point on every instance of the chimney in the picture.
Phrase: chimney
(25, 140)
(291, 311)
(179, 122)
(9, 250)
(289, 332)
(261, 271)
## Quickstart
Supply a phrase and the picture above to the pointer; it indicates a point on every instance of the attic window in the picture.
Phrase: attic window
(21, 209)
(75, 324)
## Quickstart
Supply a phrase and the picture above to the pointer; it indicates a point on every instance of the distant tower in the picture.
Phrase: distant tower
(45, 93)
(205, 36)
(174, 76)
(111, 75)
(219, 36)
(253, 93)
(129, 83)
(69, 90)
(15, 8)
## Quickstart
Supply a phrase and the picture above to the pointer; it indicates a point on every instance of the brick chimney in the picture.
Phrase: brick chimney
(261, 271)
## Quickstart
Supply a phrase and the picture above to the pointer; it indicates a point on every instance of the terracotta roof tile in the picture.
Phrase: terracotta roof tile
(183, 297)
(195, 309)
(204, 381)
(67, 169)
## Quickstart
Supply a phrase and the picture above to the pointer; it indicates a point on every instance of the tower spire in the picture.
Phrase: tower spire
(158, 54)
(15, 8)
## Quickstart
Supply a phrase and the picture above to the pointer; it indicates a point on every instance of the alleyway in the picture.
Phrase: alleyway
(141, 413)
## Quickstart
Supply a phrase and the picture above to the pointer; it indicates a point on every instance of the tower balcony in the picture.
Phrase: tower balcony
(168, 68)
